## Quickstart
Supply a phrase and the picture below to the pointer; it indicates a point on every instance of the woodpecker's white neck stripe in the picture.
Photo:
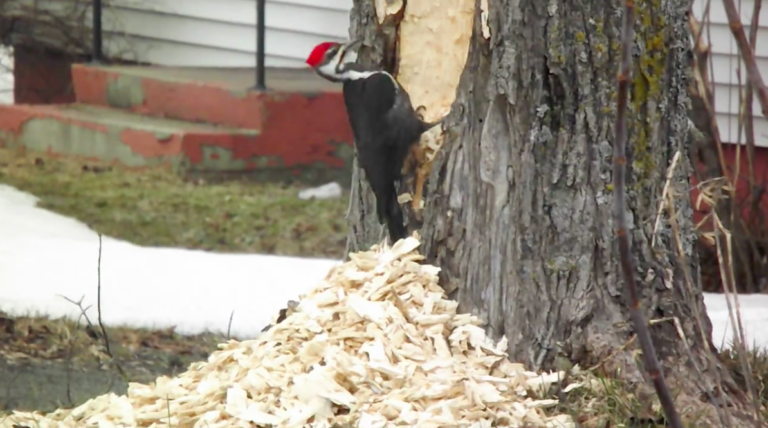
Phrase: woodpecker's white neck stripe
(329, 69)
(342, 57)
(358, 75)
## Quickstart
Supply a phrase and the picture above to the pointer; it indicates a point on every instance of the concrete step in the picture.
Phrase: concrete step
(125, 138)
(134, 140)
(301, 119)
(210, 95)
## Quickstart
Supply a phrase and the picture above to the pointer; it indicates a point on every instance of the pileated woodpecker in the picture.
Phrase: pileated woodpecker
(384, 124)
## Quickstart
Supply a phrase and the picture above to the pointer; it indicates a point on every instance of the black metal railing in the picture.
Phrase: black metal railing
(260, 30)
(97, 54)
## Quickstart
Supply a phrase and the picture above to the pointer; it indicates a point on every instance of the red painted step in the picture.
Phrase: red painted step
(216, 96)
(302, 119)
(113, 135)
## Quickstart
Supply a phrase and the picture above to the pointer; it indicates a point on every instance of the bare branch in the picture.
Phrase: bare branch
(98, 314)
(723, 245)
(79, 304)
(229, 324)
(722, 237)
(749, 126)
(65, 27)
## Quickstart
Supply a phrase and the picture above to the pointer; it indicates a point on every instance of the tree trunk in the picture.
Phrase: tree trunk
(518, 204)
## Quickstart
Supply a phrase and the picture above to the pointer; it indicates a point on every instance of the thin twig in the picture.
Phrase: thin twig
(79, 304)
(65, 29)
(689, 283)
(98, 303)
(91, 331)
(71, 347)
(749, 126)
(98, 314)
(723, 246)
(620, 218)
(723, 243)
(168, 410)
(701, 77)
(229, 325)
(749, 129)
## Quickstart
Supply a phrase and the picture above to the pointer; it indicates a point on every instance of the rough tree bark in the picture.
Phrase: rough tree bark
(518, 205)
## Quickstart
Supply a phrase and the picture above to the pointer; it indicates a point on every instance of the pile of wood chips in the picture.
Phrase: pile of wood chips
(375, 344)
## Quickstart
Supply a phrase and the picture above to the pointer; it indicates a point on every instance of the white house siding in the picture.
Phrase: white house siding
(221, 33)
(6, 75)
(207, 33)
(726, 65)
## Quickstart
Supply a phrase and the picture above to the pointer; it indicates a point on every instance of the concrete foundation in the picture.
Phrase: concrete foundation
(202, 122)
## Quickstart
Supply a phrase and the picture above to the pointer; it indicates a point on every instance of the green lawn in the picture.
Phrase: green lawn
(156, 208)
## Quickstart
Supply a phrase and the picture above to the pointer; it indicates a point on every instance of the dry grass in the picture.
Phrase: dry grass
(39, 337)
(156, 208)
(611, 402)
(47, 363)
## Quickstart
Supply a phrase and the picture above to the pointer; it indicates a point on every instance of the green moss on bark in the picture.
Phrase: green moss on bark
(647, 87)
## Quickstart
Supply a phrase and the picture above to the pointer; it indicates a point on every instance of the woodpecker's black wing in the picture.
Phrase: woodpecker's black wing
(370, 101)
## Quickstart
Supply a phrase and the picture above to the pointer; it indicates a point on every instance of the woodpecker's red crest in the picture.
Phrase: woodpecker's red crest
(332, 60)
(318, 54)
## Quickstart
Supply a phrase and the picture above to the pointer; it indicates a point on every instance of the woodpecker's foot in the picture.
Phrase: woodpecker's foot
(421, 177)
(412, 161)
(419, 157)
(420, 110)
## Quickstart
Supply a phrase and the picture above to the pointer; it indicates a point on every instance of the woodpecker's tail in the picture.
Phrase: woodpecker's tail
(389, 212)
(426, 126)
(395, 223)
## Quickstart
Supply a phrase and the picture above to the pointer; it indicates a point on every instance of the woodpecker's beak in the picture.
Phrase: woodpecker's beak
(353, 45)
(350, 51)
(347, 54)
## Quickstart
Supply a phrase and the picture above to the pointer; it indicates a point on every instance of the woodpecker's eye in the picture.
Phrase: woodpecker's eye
(332, 51)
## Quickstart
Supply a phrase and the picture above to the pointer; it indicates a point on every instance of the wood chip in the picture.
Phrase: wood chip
(375, 344)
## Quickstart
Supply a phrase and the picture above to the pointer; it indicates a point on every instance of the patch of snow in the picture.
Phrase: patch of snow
(44, 256)
(326, 191)
(754, 319)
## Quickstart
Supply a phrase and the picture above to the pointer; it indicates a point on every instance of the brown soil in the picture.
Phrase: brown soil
(47, 364)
